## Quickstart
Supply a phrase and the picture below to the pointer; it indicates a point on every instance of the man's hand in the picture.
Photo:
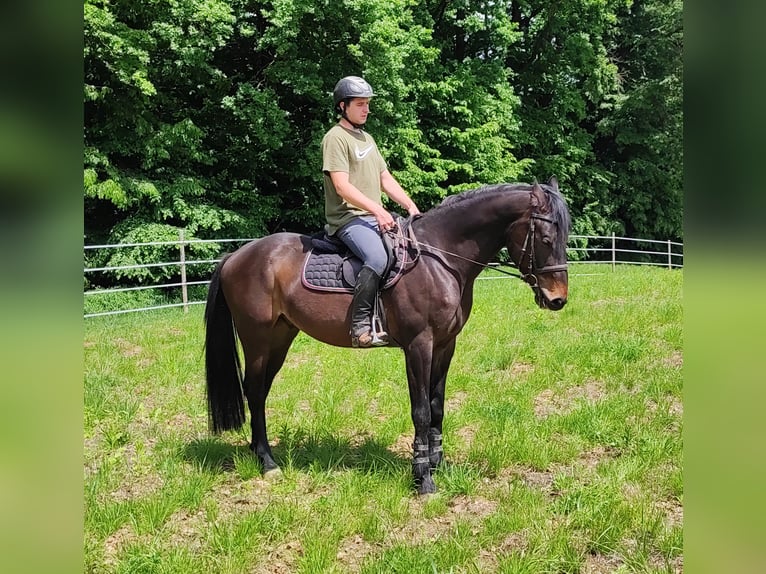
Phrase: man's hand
(413, 210)
(385, 220)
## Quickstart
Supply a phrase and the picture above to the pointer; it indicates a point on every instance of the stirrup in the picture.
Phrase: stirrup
(379, 336)
(379, 339)
(369, 339)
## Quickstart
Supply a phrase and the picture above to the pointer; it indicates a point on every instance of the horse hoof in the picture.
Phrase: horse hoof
(273, 474)
(427, 487)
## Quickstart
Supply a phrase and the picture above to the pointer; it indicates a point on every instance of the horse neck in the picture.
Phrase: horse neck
(475, 228)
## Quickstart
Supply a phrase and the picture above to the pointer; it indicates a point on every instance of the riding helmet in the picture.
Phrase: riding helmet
(351, 87)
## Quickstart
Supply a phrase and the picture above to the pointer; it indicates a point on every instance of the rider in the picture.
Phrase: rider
(355, 173)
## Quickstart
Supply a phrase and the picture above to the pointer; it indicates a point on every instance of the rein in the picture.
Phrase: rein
(532, 270)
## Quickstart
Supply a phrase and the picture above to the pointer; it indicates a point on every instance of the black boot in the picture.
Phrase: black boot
(362, 331)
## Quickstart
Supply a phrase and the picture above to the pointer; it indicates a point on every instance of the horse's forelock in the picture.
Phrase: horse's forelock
(557, 208)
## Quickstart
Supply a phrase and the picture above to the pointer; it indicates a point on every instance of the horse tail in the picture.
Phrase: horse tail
(223, 372)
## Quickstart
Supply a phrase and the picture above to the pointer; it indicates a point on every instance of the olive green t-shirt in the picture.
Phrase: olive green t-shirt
(356, 154)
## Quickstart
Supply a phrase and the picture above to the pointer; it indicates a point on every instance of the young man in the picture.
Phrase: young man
(354, 175)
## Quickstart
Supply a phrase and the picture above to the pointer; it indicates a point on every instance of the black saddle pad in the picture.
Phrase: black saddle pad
(330, 271)
(330, 266)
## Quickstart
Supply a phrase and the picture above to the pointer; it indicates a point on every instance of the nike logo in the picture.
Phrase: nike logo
(362, 153)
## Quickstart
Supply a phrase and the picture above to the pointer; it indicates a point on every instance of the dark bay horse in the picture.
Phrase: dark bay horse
(256, 294)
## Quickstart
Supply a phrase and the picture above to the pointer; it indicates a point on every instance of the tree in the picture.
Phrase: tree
(207, 115)
(641, 140)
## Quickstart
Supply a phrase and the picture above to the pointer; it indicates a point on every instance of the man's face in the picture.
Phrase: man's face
(357, 110)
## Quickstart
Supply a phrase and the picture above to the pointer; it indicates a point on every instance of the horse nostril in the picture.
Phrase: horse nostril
(558, 303)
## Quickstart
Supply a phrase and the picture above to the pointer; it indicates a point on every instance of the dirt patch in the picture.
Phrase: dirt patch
(672, 510)
(546, 404)
(590, 459)
(128, 349)
(142, 483)
(600, 564)
(422, 530)
(549, 402)
(489, 558)
(675, 360)
(185, 529)
(676, 565)
(454, 402)
(542, 480)
(116, 542)
(517, 369)
(402, 447)
(507, 476)
(467, 434)
(282, 560)
(475, 507)
(676, 407)
(237, 497)
(353, 551)
(186, 424)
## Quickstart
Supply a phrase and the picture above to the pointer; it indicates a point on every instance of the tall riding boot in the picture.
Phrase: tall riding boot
(362, 306)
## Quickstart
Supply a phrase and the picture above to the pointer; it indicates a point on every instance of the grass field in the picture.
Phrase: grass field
(562, 438)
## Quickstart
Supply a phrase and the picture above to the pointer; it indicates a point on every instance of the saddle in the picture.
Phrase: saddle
(331, 266)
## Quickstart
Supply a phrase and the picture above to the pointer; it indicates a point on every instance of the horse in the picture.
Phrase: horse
(256, 295)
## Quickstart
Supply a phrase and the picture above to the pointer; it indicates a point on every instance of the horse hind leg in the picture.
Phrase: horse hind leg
(259, 376)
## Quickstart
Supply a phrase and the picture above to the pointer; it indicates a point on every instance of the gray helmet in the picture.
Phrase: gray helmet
(351, 87)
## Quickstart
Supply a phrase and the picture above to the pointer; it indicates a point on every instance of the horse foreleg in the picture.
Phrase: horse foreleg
(418, 359)
(439, 366)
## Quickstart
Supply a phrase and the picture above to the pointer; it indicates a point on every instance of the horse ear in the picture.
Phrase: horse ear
(537, 194)
(554, 183)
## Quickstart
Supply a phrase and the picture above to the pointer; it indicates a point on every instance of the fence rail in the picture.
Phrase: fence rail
(601, 249)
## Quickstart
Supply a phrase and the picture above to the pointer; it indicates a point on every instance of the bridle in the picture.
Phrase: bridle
(529, 275)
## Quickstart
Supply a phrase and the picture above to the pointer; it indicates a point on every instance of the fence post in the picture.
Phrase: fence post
(184, 293)
(670, 255)
(614, 252)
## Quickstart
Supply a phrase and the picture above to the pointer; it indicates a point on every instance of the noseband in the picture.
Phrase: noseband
(530, 275)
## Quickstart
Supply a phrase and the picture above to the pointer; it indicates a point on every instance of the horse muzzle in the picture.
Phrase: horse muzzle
(552, 299)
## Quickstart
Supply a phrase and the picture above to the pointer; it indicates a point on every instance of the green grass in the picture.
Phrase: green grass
(562, 440)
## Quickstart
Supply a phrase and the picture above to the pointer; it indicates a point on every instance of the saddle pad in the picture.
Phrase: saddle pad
(337, 272)
(325, 271)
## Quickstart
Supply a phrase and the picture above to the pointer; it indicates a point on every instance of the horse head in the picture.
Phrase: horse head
(537, 244)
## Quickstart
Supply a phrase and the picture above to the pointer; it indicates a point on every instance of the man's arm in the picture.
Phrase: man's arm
(393, 190)
(349, 193)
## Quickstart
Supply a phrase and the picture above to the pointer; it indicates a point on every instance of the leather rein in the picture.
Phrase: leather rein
(528, 249)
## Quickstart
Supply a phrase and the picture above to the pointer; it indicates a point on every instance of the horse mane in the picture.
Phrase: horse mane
(555, 204)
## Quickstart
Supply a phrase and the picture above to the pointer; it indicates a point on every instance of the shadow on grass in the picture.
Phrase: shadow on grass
(213, 453)
(300, 450)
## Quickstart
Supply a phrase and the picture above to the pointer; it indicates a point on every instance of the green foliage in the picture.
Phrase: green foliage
(642, 136)
(208, 114)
